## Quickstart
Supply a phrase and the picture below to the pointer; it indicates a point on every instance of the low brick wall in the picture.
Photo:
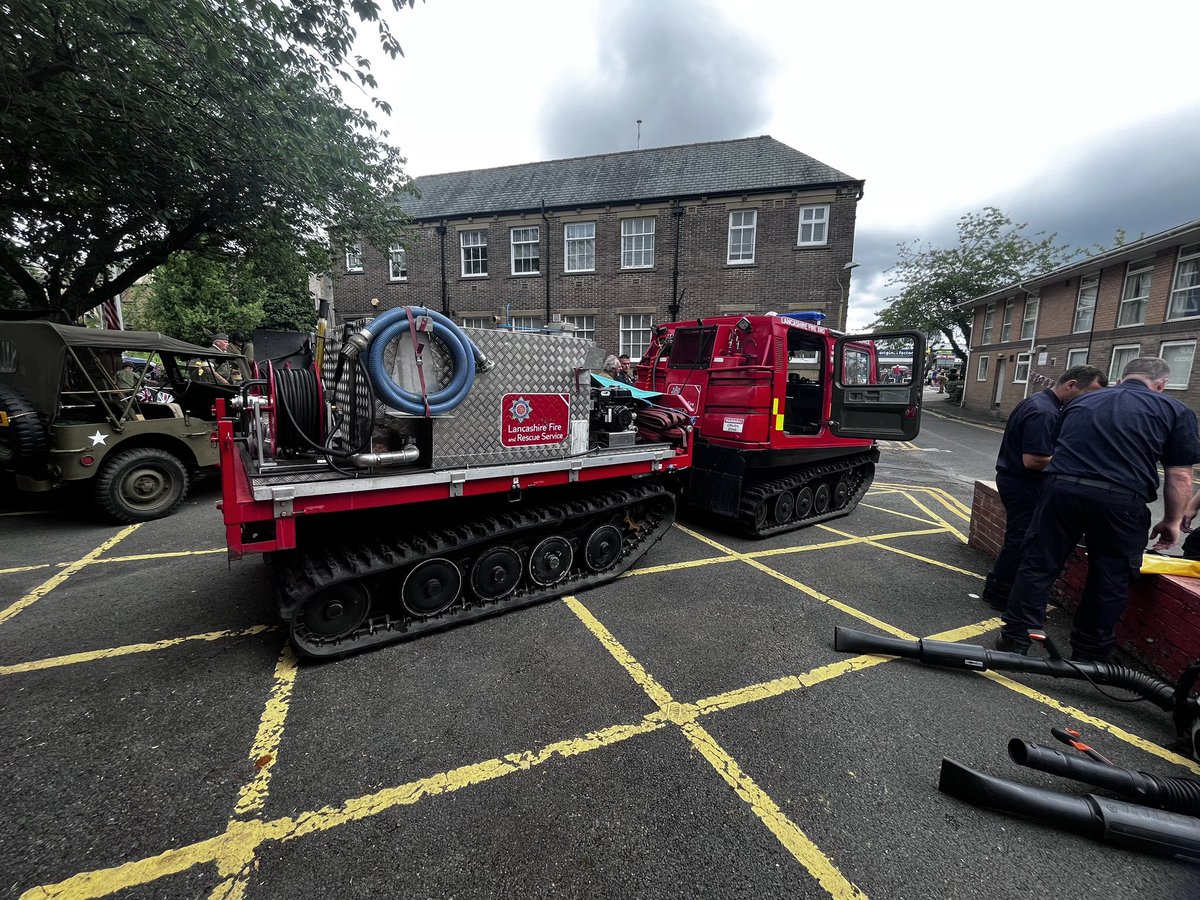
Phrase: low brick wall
(1161, 625)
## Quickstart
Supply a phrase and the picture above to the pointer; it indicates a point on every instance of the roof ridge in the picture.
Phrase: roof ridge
(757, 137)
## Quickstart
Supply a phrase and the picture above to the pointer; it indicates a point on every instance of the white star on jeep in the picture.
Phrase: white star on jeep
(98, 438)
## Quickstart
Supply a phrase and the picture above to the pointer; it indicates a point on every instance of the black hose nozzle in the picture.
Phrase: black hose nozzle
(1111, 821)
(1180, 795)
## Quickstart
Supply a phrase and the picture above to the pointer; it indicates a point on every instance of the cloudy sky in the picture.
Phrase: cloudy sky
(1078, 118)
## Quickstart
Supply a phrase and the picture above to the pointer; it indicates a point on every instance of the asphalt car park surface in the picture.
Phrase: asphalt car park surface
(687, 730)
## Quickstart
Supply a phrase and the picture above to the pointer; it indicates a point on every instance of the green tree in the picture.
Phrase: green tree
(130, 131)
(992, 252)
(193, 298)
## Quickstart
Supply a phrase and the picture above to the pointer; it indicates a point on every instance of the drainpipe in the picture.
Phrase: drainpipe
(546, 274)
(1032, 337)
(441, 232)
(673, 309)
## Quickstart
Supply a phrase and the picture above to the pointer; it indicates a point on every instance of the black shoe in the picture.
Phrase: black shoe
(1008, 645)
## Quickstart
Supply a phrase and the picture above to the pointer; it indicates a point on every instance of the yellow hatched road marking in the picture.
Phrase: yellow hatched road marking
(16, 569)
(933, 515)
(802, 848)
(909, 554)
(941, 494)
(72, 659)
(55, 580)
(676, 566)
(902, 515)
(174, 554)
(803, 588)
(953, 503)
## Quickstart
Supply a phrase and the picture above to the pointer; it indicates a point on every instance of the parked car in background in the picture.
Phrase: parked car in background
(66, 415)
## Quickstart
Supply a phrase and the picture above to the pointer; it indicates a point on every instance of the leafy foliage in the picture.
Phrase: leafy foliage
(992, 252)
(131, 130)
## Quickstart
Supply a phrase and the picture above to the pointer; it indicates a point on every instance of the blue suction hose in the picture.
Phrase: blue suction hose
(466, 357)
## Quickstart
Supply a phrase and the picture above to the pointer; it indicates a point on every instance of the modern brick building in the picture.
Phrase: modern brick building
(613, 244)
(1140, 299)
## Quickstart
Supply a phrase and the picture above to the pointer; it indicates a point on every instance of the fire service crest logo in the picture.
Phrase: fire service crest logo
(534, 420)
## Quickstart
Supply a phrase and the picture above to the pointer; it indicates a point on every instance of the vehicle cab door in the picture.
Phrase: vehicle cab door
(877, 386)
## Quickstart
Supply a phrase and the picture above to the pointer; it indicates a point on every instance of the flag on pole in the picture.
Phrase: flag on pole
(111, 314)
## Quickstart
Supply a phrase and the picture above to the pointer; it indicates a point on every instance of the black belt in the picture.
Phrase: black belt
(1102, 485)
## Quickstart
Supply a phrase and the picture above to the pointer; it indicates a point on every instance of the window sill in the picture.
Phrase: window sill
(1132, 325)
(810, 246)
(520, 275)
(472, 277)
(354, 272)
(397, 280)
(638, 270)
(580, 272)
(741, 265)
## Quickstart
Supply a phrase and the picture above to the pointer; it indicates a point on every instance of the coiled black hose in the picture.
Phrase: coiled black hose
(296, 396)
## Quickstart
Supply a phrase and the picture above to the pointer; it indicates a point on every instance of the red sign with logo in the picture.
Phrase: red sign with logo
(534, 420)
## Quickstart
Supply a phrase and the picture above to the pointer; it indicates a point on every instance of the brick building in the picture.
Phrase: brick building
(1141, 299)
(615, 243)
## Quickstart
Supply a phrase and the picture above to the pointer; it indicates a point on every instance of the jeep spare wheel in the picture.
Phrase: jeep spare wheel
(23, 441)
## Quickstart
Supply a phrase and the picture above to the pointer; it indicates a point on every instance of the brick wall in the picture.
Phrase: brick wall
(1161, 625)
(783, 277)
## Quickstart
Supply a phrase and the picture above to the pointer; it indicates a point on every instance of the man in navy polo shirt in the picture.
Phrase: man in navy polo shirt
(1102, 473)
(1024, 452)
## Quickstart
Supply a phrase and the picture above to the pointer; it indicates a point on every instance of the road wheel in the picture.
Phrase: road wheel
(496, 573)
(431, 587)
(23, 440)
(785, 505)
(141, 484)
(603, 548)
(821, 499)
(841, 493)
(804, 502)
(550, 561)
(336, 612)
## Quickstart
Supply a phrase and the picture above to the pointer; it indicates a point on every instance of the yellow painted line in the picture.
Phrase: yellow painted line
(807, 853)
(848, 541)
(54, 581)
(929, 412)
(902, 515)
(785, 830)
(464, 776)
(675, 567)
(1079, 715)
(966, 632)
(16, 569)
(952, 503)
(72, 659)
(142, 557)
(910, 554)
(933, 515)
(265, 750)
(803, 588)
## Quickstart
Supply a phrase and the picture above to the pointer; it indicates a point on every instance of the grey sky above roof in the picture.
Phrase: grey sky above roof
(689, 170)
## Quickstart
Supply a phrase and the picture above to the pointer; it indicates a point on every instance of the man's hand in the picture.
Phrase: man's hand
(1167, 534)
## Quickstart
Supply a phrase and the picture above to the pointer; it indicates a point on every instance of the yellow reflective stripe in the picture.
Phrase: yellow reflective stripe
(779, 423)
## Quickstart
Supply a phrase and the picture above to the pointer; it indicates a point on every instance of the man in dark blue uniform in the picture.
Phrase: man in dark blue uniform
(1102, 473)
(1024, 452)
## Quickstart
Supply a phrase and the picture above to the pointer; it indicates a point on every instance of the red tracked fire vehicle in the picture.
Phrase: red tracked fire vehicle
(437, 475)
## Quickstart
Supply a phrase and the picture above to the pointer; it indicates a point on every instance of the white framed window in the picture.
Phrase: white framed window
(477, 322)
(583, 326)
(1179, 356)
(1136, 294)
(354, 256)
(637, 243)
(1085, 303)
(580, 252)
(1029, 318)
(635, 334)
(1077, 357)
(1021, 370)
(1006, 322)
(981, 369)
(397, 263)
(1185, 291)
(525, 323)
(473, 247)
(989, 323)
(1122, 356)
(526, 250)
(743, 224)
(814, 226)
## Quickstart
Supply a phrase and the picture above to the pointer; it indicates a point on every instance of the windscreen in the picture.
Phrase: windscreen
(691, 348)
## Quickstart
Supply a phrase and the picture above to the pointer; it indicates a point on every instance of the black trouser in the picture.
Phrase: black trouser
(1116, 523)
(1019, 496)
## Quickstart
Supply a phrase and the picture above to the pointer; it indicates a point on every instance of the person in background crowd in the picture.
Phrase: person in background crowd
(1025, 452)
(239, 343)
(127, 378)
(626, 369)
(1102, 472)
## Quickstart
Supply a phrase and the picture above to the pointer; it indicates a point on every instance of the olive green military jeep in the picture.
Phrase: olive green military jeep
(130, 410)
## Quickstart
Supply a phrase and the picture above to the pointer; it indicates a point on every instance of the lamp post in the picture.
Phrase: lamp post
(843, 310)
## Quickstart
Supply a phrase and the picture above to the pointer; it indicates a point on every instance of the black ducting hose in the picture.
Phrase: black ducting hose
(1112, 821)
(1181, 795)
(971, 656)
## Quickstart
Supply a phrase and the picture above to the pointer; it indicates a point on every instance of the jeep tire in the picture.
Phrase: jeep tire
(24, 444)
(141, 484)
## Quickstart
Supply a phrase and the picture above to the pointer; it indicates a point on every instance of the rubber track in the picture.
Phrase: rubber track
(864, 463)
(370, 556)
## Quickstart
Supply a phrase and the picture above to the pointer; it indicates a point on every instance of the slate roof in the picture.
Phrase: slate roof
(691, 170)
